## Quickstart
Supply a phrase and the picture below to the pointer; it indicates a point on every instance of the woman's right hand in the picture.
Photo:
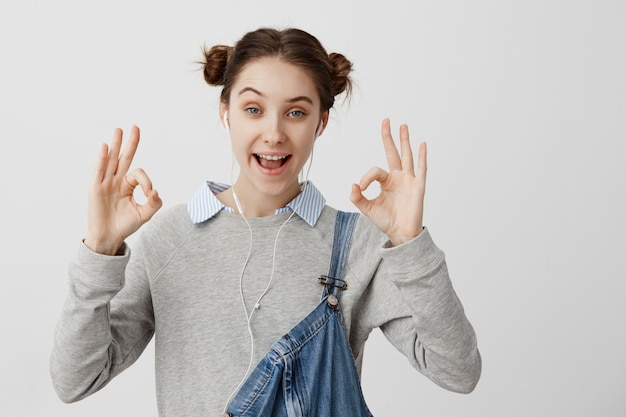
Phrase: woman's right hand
(113, 213)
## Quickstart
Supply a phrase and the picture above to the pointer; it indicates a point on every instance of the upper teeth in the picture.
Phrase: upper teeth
(272, 157)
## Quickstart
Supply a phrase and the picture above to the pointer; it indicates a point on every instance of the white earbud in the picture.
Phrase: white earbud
(226, 124)
(318, 132)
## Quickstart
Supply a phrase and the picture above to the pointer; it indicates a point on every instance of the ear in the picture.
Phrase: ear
(224, 115)
(322, 125)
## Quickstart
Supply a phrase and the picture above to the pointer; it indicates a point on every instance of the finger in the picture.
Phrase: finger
(101, 163)
(149, 209)
(422, 165)
(359, 200)
(126, 158)
(114, 152)
(374, 174)
(391, 152)
(405, 149)
(135, 178)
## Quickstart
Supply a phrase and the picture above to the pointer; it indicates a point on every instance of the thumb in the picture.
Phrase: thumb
(359, 200)
(151, 206)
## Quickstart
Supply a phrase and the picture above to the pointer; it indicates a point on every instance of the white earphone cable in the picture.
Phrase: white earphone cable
(267, 287)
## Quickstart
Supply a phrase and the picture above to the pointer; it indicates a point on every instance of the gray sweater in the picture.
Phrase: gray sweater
(181, 285)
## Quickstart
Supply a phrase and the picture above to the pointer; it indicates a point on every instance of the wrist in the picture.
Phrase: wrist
(399, 240)
(103, 247)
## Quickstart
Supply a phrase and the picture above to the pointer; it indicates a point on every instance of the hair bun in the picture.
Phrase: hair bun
(330, 73)
(341, 68)
(215, 60)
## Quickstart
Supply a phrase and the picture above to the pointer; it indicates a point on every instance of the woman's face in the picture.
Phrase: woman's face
(273, 115)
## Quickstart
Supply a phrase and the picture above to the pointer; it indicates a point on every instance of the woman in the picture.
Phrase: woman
(227, 282)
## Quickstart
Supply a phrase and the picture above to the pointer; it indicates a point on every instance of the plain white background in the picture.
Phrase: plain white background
(522, 104)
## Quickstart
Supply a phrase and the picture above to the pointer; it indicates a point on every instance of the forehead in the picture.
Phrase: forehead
(275, 79)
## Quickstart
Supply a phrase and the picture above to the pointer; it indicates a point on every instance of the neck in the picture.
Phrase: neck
(257, 204)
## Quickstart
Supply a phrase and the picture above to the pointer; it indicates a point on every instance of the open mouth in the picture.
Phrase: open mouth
(271, 161)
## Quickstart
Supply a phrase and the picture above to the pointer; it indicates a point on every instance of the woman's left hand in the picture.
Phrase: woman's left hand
(398, 209)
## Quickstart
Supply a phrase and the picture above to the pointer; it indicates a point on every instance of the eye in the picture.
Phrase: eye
(296, 113)
(253, 111)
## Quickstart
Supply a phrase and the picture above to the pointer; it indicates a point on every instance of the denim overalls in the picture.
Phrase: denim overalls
(310, 372)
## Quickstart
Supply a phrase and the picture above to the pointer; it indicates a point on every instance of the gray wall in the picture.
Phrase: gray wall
(522, 105)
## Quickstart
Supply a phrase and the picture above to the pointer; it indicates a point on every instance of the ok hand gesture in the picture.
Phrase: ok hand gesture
(113, 213)
(398, 209)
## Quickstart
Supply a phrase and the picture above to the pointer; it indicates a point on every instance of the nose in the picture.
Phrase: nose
(273, 133)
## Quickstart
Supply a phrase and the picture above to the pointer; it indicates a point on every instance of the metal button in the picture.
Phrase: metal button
(228, 415)
(332, 300)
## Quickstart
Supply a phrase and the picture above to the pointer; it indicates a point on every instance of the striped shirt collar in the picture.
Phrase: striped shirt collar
(204, 204)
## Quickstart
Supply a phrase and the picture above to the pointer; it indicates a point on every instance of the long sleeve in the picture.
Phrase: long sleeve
(105, 324)
(412, 300)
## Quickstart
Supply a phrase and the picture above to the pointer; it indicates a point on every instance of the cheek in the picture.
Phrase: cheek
(307, 141)
(238, 148)
(302, 136)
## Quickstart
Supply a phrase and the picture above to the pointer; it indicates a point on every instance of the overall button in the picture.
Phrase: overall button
(228, 415)
(332, 300)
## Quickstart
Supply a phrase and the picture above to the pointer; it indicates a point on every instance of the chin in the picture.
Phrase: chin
(276, 189)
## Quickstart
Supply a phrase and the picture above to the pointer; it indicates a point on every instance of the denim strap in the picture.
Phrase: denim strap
(342, 240)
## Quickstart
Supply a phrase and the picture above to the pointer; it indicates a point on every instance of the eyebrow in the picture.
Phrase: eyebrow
(291, 100)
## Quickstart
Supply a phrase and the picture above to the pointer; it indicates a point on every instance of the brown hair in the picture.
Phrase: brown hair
(330, 72)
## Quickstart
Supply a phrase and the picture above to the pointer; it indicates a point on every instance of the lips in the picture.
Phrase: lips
(271, 162)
